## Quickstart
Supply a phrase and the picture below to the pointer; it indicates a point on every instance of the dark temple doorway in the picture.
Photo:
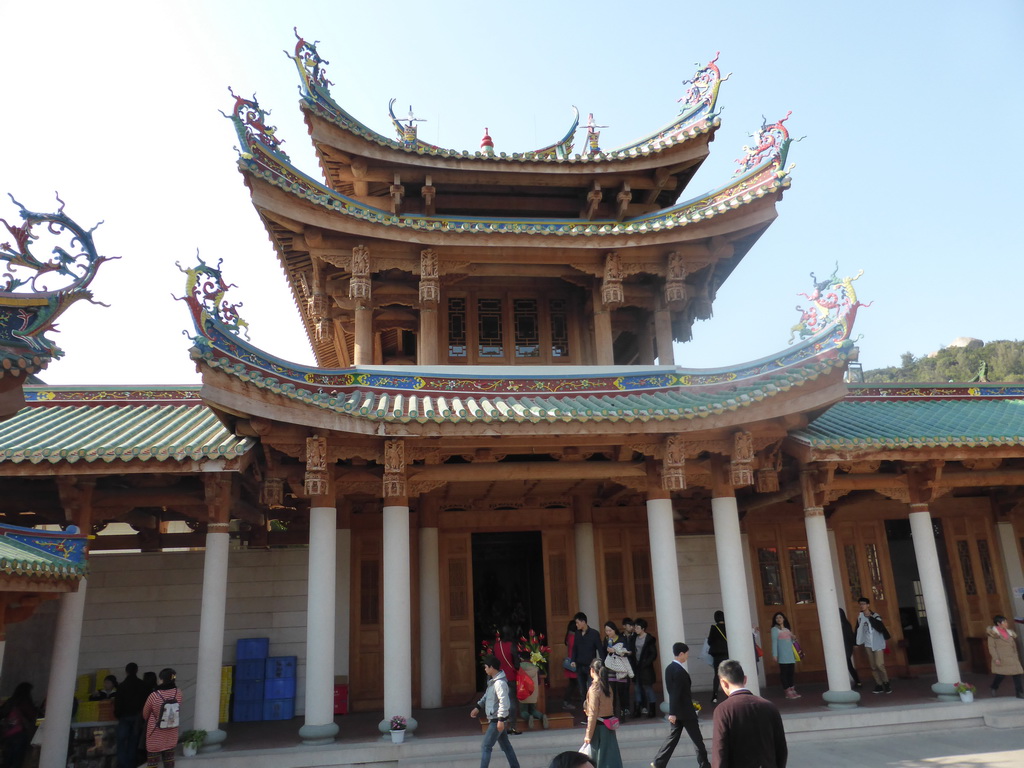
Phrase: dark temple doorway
(508, 586)
(913, 618)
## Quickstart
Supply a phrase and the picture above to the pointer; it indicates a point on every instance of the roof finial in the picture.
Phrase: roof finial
(487, 144)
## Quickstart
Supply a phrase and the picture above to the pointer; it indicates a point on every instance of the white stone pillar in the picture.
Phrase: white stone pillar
(397, 617)
(586, 571)
(1014, 570)
(937, 609)
(343, 600)
(60, 693)
(319, 727)
(430, 620)
(839, 694)
(211, 636)
(665, 572)
(735, 600)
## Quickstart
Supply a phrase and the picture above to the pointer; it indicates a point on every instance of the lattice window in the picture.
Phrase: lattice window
(490, 328)
(557, 577)
(559, 328)
(369, 592)
(771, 575)
(963, 552)
(800, 567)
(458, 591)
(643, 586)
(527, 327)
(615, 582)
(985, 559)
(852, 572)
(457, 346)
(875, 572)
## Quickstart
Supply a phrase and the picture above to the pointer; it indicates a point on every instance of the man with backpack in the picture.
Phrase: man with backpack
(872, 634)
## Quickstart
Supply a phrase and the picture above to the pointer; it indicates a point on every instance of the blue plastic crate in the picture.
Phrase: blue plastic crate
(279, 688)
(281, 666)
(252, 648)
(278, 709)
(247, 711)
(251, 669)
(250, 690)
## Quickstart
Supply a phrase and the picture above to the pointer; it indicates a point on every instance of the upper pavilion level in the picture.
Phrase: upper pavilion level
(408, 253)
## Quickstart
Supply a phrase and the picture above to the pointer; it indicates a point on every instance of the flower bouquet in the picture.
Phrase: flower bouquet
(397, 723)
(534, 644)
(965, 688)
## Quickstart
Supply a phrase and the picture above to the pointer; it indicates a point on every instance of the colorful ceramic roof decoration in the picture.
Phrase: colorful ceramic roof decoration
(832, 301)
(446, 393)
(262, 157)
(874, 417)
(52, 555)
(106, 425)
(36, 290)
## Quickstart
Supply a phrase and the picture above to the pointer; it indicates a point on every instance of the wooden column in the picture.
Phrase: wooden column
(428, 350)
(603, 341)
(663, 334)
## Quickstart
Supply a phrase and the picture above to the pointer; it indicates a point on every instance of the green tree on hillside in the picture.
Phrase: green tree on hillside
(1003, 361)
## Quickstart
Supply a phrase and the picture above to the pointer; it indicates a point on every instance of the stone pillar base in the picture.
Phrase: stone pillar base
(841, 699)
(213, 741)
(316, 735)
(945, 692)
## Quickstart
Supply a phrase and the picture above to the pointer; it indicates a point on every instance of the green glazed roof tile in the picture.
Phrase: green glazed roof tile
(934, 421)
(102, 424)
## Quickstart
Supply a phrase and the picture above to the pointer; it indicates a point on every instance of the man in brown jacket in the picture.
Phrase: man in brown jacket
(748, 730)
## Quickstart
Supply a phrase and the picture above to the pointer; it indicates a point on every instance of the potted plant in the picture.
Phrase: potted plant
(191, 741)
(966, 691)
(397, 729)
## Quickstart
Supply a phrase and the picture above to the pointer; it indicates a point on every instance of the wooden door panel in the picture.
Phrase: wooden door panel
(366, 675)
(458, 654)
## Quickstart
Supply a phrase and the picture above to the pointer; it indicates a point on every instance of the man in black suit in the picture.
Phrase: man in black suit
(680, 708)
(586, 648)
(748, 730)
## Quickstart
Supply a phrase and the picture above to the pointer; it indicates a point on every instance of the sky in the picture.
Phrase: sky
(909, 114)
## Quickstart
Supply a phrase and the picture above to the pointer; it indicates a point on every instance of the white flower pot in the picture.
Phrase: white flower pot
(189, 750)
(397, 737)
(967, 697)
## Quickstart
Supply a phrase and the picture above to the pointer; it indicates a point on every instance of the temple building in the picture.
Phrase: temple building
(496, 432)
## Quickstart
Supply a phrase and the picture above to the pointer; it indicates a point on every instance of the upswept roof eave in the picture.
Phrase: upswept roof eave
(660, 148)
(406, 394)
(764, 183)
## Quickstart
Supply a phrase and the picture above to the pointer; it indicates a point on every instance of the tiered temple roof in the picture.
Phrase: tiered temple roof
(545, 215)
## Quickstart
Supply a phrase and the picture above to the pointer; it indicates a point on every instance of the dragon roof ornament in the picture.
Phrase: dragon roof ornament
(832, 303)
(771, 144)
(205, 290)
(250, 121)
(35, 291)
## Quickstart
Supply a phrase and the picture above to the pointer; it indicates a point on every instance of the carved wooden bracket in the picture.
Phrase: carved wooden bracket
(394, 469)
(430, 289)
(612, 294)
(673, 466)
(359, 286)
(741, 467)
